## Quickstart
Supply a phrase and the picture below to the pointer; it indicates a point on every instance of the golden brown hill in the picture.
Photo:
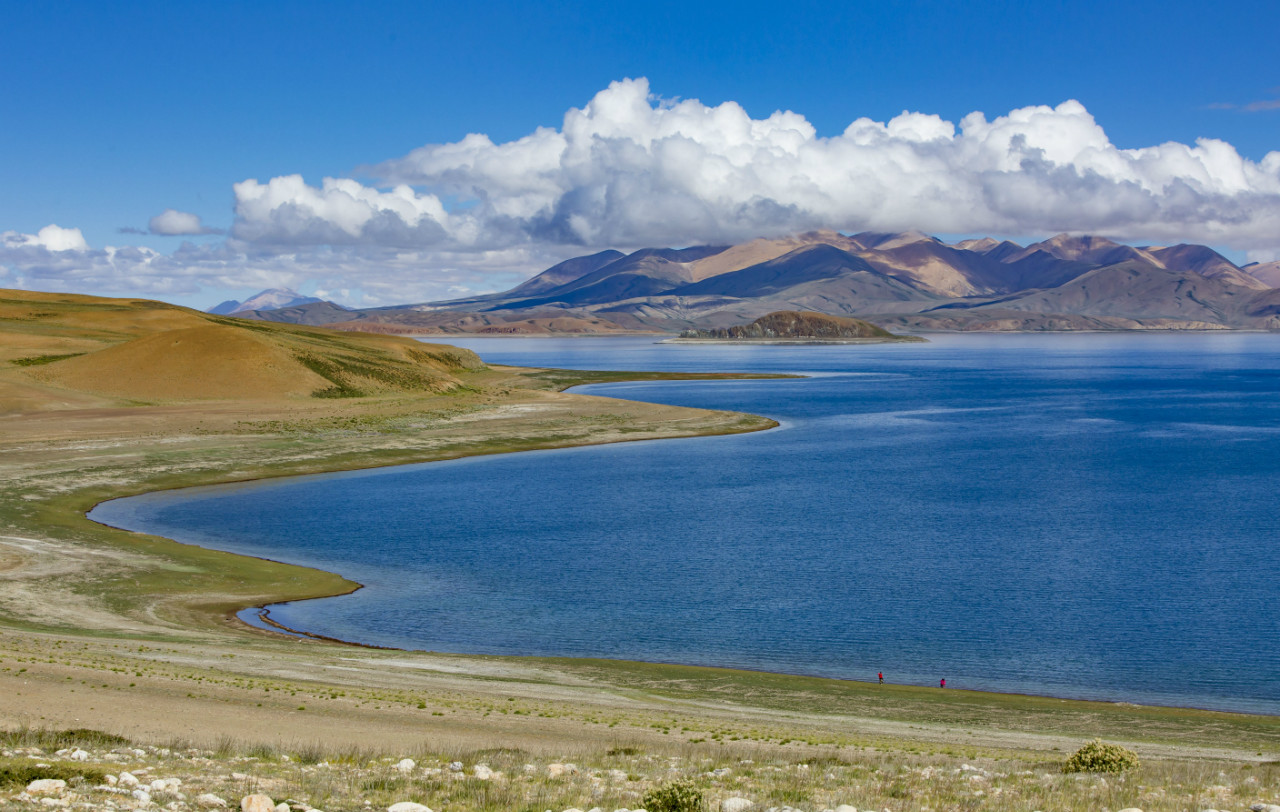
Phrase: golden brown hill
(63, 350)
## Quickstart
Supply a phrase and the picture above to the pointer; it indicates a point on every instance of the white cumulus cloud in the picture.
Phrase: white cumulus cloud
(51, 238)
(174, 223)
(629, 169)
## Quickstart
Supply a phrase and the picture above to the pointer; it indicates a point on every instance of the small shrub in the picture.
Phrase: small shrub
(1097, 757)
(678, 796)
(17, 773)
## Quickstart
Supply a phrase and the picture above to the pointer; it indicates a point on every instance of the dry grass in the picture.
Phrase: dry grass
(494, 779)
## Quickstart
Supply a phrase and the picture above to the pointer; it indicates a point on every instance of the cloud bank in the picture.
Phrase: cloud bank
(630, 169)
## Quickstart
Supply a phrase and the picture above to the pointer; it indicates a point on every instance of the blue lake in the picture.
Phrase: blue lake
(1085, 516)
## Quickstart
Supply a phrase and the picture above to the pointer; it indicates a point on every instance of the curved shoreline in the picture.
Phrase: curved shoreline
(285, 631)
(264, 607)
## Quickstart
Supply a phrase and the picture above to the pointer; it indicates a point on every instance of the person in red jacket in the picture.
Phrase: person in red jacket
(943, 683)
(882, 678)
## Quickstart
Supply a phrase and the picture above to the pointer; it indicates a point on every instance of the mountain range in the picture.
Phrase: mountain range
(271, 299)
(905, 280)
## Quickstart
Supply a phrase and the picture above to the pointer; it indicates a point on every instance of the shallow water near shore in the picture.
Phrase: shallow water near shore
(1087, 516)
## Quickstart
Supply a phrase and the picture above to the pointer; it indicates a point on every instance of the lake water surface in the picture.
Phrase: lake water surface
(1073, 515)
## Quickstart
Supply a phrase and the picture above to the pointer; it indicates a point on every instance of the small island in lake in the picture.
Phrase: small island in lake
(795, 327)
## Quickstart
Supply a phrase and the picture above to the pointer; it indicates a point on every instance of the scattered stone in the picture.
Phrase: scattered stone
(405, 765)
(141, 796)
(283, 807)
(1265, 808)
(128, 780)
(1131, 809)
(455, 766)
(210, 801)
(483, 772)
(735, 805)
(47, 786)
(845, 808)
(257, 803)
(78, 755)
(408, 806)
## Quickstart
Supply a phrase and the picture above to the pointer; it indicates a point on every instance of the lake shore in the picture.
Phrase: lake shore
(136, 635)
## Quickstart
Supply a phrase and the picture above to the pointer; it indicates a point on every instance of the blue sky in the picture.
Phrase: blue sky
(116, 113)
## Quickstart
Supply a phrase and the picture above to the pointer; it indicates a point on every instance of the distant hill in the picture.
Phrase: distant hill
(791, 325)
(272, 299)
(908, 278)
(89, 350)
(1268, 273)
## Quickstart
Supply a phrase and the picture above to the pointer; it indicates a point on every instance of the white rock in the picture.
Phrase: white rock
(573, 809)
(1131, 809)
(405, 765)
(78, 755)
(735, 805)
(283, 807)
(159, 785)
(127, 779)
(46, 786)
(55, 803)
(257, 803)
(110, 780)
(408, 806)
(555, 770)
(210, 801)
(141, 796)
(455, 766)
(1265, 808)
(482, 772)
(845, 808)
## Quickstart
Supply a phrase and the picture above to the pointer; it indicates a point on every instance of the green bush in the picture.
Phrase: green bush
(678, 796)
(1097, 757)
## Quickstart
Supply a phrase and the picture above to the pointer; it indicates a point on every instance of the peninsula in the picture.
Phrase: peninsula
(795, 327)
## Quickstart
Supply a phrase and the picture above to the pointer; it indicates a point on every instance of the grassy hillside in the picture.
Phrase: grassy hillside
(139, 350)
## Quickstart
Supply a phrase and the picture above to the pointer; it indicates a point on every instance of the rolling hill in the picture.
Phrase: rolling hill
(63, 349)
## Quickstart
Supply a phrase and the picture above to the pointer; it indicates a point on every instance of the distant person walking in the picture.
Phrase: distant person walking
(943, 683)
(882, 678)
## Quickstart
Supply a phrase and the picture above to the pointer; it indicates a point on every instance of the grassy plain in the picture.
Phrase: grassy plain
(135, 635)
